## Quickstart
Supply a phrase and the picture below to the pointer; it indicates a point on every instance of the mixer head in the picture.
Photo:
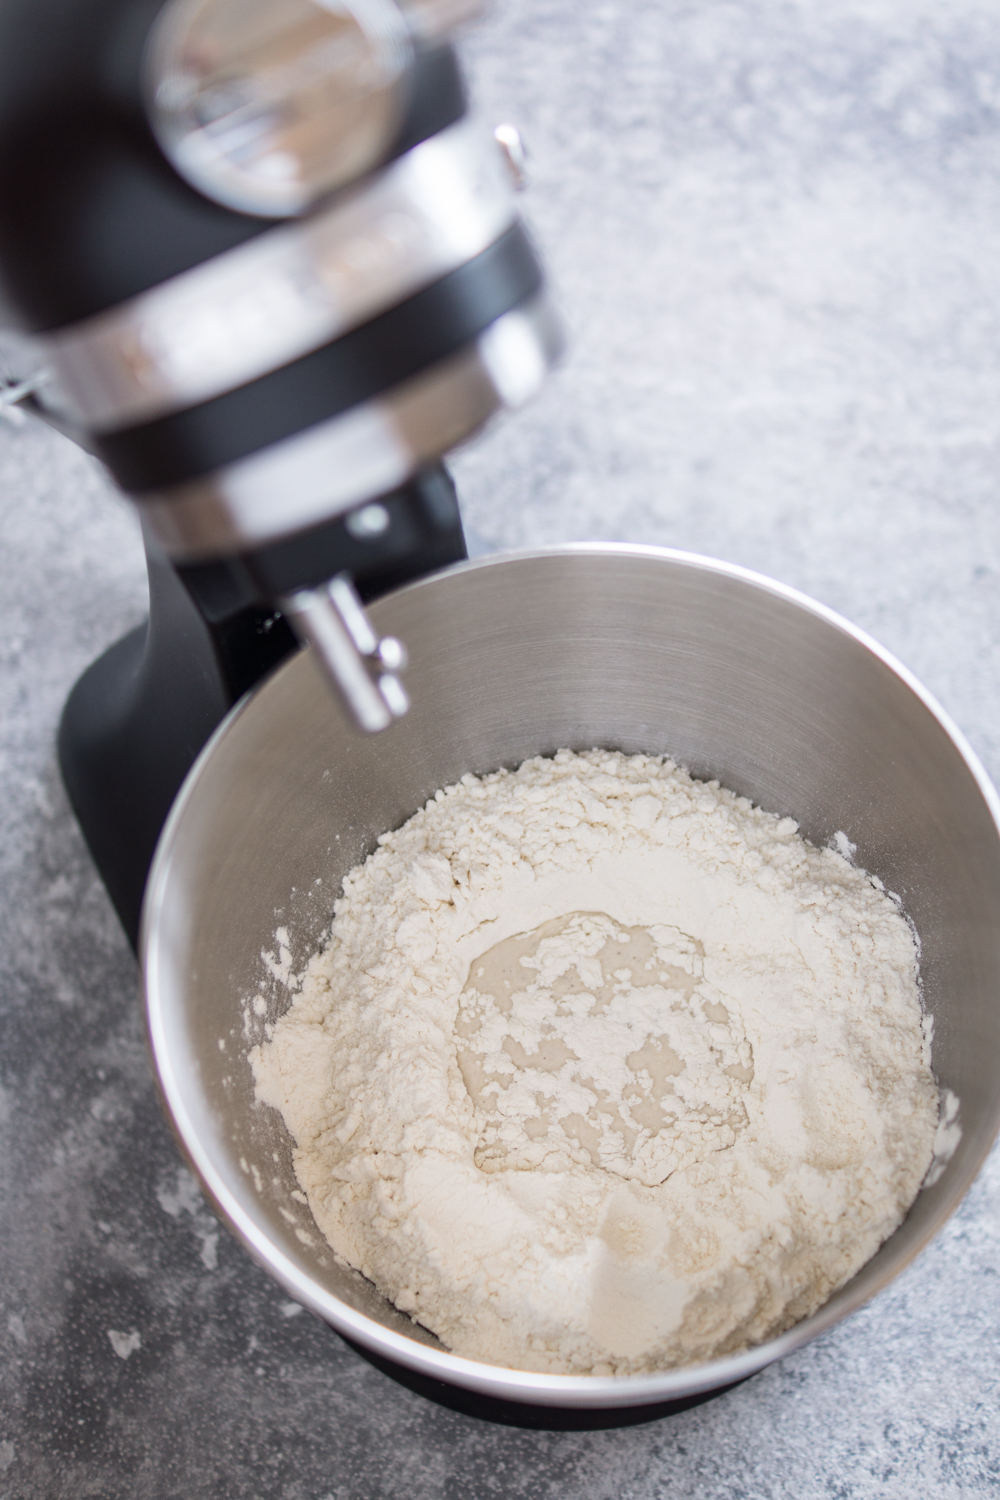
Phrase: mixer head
(270, 271)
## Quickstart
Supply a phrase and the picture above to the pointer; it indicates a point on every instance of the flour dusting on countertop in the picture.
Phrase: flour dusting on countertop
(604, 1070)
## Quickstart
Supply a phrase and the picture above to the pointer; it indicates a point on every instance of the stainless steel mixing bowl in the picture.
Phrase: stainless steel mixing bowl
(630, 648)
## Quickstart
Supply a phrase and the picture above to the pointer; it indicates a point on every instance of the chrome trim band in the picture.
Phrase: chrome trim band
(331, 468)
(286, 292)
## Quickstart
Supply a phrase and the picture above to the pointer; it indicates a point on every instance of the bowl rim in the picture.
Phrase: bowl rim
(582, 1392)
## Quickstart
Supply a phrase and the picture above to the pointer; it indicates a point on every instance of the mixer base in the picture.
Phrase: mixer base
(135, 721)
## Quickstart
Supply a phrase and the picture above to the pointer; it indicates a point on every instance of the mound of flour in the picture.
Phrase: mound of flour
(604, 1070)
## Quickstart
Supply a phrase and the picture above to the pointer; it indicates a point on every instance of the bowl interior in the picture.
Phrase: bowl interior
(631, 649)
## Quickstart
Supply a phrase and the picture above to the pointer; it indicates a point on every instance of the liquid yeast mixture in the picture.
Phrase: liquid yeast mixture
(604, 1070)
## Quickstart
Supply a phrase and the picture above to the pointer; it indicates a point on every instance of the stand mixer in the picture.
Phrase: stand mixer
(257, 257)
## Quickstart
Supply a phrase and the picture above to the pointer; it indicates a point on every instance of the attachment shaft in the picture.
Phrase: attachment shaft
(362, 668)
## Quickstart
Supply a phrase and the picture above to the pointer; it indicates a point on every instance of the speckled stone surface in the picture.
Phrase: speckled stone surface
(774, 230)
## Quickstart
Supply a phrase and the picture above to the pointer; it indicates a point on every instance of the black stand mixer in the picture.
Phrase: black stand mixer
(256, 256)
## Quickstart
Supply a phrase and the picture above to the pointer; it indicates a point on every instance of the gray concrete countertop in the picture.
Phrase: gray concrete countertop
(774, 229)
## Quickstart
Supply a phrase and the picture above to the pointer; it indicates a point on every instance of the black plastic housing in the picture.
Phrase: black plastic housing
(138, 717)
(429, 326)
(423, 532)
(91, 212)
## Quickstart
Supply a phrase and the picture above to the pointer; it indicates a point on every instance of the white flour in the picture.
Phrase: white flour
(604, 1070)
